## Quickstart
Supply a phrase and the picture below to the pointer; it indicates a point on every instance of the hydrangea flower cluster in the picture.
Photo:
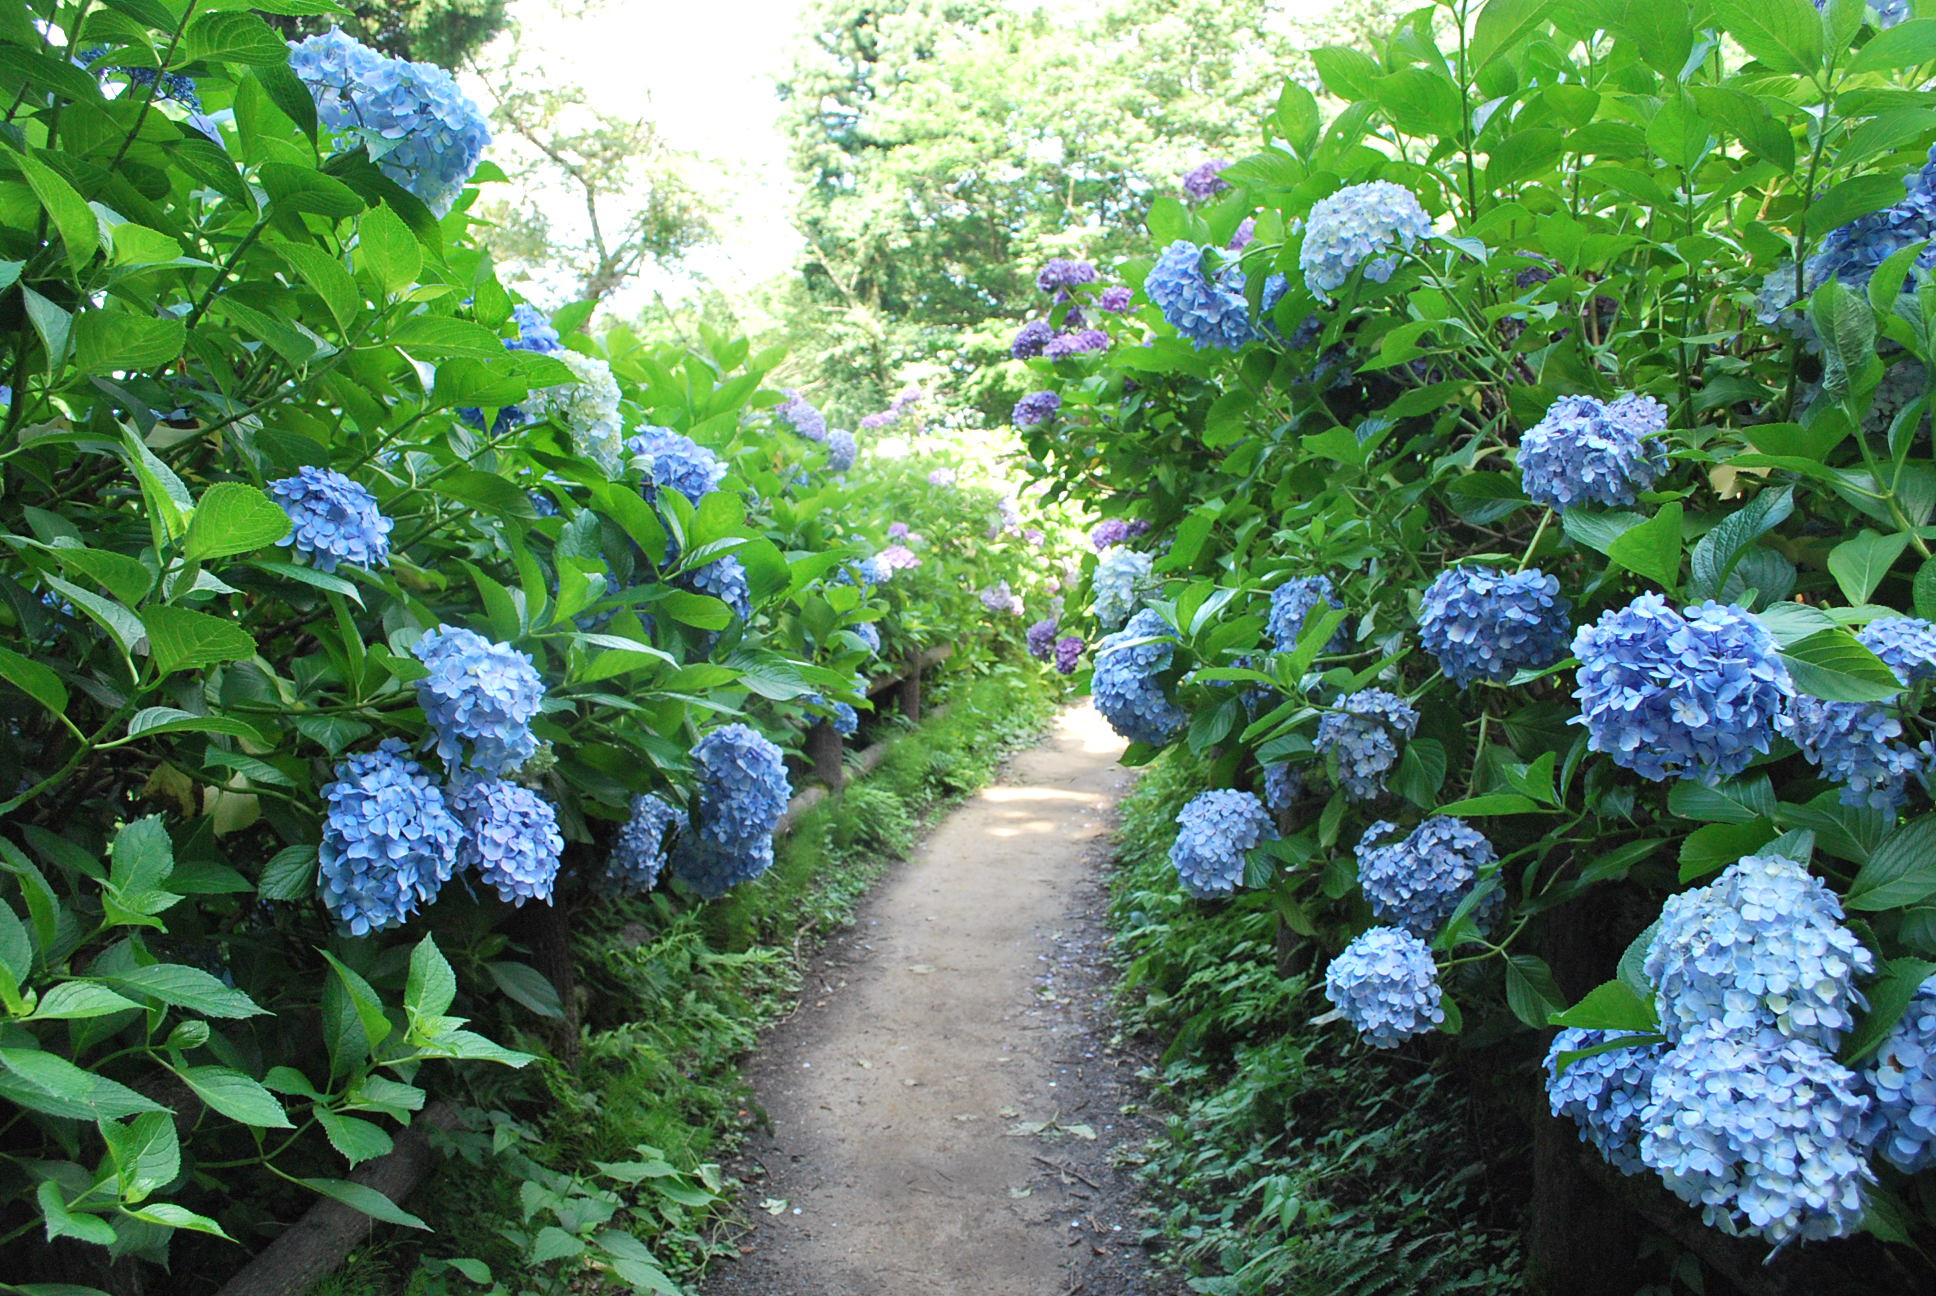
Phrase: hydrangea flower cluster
(1385, 985)
(1360, 734)
(1760, 949)
(1217, 831)
(1587, 451)
(1292, 602)
(743, 793)
(802, 416)
(389, 840)
(167, 85)
(1207, 313)
(1116, 299)
(1204, 180)
(724, 579)
(999, 598)
(1852, 252)
(1283, 785)
(1125, 685)
(1360, 225)
(1603, 1094)
(511, 837)
(1040, 638)
(334, 520)
(1673, 696)
(422, 130)
(1861, 744)
(535, 332)
(1764, 1134)
(674, 461)
(479, 695)
(1902, 1081)
(588, 409)
(842, 450)
(1122, 579)
(1417, 882)
(1068, 651)
(942, 477)
(1115, 531)
(896, 408)
(1244, 235)
(1061, 274)
(897, 557)
(868, 633)
(639, 850)
(1034, 408)
(1485, 624)
(1082, 342)
(1031, 339)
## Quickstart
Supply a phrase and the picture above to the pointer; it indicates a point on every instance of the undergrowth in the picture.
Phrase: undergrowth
(1294, 1161)
(579, 1165)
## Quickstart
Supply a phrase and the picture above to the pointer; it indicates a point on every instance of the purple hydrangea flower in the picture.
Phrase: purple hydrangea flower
(1041, 639)
(422, 130)
(1064, 345)
(511, 837)
(389, 840)
(333, 519)
(1061, 274)
(1353, 227)
(478, 695)
(801, 415)
(1115, 531)
(639, 850)
(1116, 299)
(842, 450)
(1585, 451)
(1000, 598)
(1360, 733)
(1217, 831)
(1032, 339)
(1485, 624)
(1673, 696)
(942, 477)
(1068, 651)
(1243, 236)
(1204, 180)
(1384, 983)
(1125, 686)
(1035, 408)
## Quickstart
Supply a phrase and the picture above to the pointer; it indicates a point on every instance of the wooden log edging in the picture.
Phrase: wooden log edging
(321, 1239)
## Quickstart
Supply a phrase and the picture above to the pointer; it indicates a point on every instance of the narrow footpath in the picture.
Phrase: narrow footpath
(944, 1107)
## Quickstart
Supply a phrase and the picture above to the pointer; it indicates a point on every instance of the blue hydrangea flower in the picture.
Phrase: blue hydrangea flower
(1283, 785)
(1125, 686)
(1292, 602)
(1861, 745)
(1761, 948)
(587, 407)
(389, 840)
(1764, 1135)
(511, 837)
(1417, 882)
(1485, 624)
(479, 695)
(1901, 1079)
(1208, 314)
(724, 579)
(639, 850)
(743, 789)
(1886, 13)
(1204, 180)
(1122, 579)
(842, 450)
(1385, 985)
(673, 461)
(1360, 734)
(1218, 829)
(1031, 339)
(1604, 1094)
(535, 332)
(1673, 696)
(1036, 407)
(1586, 451)
(869, 634)
(334, 520)
(802, 416)
(712, 868)
(167, 85)
(1061, 274)
(422, 131)
(1353, 227)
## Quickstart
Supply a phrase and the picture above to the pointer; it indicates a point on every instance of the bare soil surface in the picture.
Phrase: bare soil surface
(943, 1109)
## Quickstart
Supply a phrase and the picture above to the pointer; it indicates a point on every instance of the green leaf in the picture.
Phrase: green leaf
(389, 252)
(1609, 1006)
(234, 37)
(1785, 35)
(327, 277)
(142, 859)
(238, 1096)
(76, 1000)
(1847, 330)
(169, 1215)
(1859, 564)
(51, 1084)
(364, 1198)
(431, 986)
(553, 1243)
(289, 875)
(1904, 45)
(1503, 24)
(187, 987)
(1722, 547)
(1899, 872)
(1889, 996)
(1713, 847)
(1531, 990)
(1737, 801)
(106, 341)
(184, 640)
(528, 986)
(233, 518)
(151, 721)
(79, 228)
(358, 1140)
(1653, 549)
(146, 1152)
(1834, 666)
(168, 500)
(35, 680)
(1494, 803)
(61, 1222)
(439, 337)
(363, 1000)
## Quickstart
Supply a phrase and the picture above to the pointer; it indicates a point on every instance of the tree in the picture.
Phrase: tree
(445, 32)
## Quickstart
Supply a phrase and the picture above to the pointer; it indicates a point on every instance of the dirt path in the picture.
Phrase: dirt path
(943, 1106)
